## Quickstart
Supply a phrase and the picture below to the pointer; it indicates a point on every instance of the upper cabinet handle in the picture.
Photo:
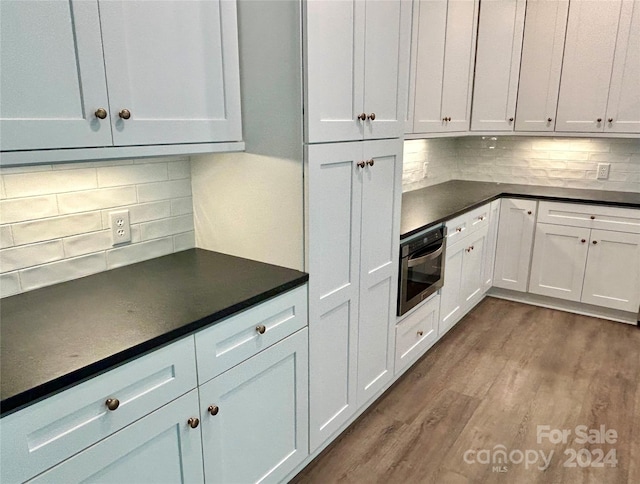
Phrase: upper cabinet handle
(361, 164)
(362, 116)
(101, 113)
(372, 116)
(549, 120)
(610, 120)
(370, 162)
(124, 114)
(529, 212)
(599, 120)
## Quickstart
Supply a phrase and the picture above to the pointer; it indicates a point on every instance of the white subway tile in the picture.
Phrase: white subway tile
(56, 227)
(6, 236)
(184, 241)
(46, 182)
(164, 227)
(3, 194)
(87, 243)
(130, 254)
(96, 199)
(91, 164)
(30, 255)
(181, 206)
(582, 165)
(64, 270)
(179, 169)
(142, 212)
(30, 208)
(150, 192)
(5, 170)
(9, 284)
(129, 175)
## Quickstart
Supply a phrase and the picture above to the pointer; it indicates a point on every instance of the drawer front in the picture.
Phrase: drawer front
(590, 216)
(468, 222)
(42, 435)
(457, 228)
(416, 333)
(232, 341)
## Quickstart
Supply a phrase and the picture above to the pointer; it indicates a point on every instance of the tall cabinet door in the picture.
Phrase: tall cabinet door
(333, 233)
(558, 264)
(451, 301)
(385, 67)
(256, 430)
(492, 241)
(500, 31)
(586, 68)
(515, 243)
(174, 67)
(472, 268)
(623, 108)
(379, 255)
(541, 64)
(52, 80)
(334, 70)
(612, 276)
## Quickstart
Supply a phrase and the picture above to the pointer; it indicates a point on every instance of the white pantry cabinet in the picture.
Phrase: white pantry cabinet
(100, 73)
(255, 416)
(541, 64)
(356, 55)
(495, 88)
(353, 225)
(444, 37)
(515, 243)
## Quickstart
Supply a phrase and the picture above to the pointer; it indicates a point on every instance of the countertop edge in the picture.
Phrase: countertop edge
(22, 400)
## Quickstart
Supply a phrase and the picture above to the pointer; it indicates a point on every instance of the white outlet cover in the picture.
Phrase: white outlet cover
(120, 227)
(603, 171)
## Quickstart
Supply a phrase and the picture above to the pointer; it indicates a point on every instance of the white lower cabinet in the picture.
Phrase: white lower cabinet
(164, 446)
(492, 242)
(416, 333)
(255, 415)
(515, 243)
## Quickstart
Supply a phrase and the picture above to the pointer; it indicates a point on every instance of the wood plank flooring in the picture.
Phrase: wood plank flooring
(504, 370)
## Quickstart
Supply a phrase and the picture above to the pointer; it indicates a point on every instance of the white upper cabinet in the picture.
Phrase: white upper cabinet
(442, 64)
(52, 80)
(588, 60)
(498, 52)
(174, 66)
(541, 64)
(355, 63)
(623, 107)
(100, 73)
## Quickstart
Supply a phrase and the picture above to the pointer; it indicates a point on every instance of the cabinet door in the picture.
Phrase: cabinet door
(495, 88)
(472, 268)
(258, 430)
(416, 333)
(334, 70)
(161, 447)
(174, 66)
(333, 260)
(444, 59)
(586, 68)
(52, 79)
(379, 256)
(515, 242)
(612, 276)
(541, 64)
(451, 302)
(559, 257)
(623, 108)
(385, 67)
(492, 240)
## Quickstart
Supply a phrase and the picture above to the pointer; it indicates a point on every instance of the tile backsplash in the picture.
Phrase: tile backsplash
(54, 219)
(563, 162)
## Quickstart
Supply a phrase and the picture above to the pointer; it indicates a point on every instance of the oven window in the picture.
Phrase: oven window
(422, 276)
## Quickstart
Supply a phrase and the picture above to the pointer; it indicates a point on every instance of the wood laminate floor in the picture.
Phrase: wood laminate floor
(504, 370)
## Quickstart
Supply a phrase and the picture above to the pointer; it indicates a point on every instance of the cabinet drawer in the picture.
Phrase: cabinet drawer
(590, 216)
(468, 222)
(416, 333)
(234, 340)
(40, 436)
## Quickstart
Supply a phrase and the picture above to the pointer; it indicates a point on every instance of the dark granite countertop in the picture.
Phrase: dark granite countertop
(437, 203)
(60, 335)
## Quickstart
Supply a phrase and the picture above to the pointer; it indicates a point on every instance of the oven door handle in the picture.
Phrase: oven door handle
(430, 256)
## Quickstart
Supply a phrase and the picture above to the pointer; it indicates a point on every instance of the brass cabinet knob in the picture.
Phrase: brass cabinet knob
(261, 328)
(472, 247)
(529, 212)
(599, 120)
(481, 218)
(610, 120)
(594, 242)
(444, 120)
(583, 240)
(362, 116)
(101, 113)
(593, 217)
(370, 162)
(458, 229)
(213, 409)
(449, 119)
(420, 333)
(193, 422)
(468, 249)
(511, 120)
(549, 120)
(361, 164)
(124, 114)
(112, 403)
(372, 116)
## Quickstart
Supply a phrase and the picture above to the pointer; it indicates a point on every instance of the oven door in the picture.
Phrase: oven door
(421, 274)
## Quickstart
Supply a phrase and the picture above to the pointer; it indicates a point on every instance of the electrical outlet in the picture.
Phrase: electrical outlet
(425, 169)
(120, 227)
(603, 171)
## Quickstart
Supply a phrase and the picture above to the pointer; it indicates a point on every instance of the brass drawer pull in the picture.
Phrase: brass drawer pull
(261, 328)
(124, 114)
(101, 113)
(213, 409)
(112, 403)
(193, 422)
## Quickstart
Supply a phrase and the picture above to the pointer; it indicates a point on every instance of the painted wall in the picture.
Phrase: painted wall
(54, 219)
